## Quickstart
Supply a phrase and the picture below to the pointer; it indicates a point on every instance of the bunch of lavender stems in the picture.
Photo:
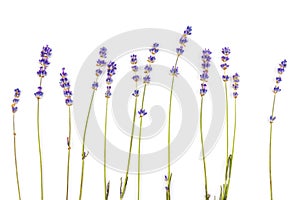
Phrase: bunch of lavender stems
(142, 112)
(111, 70)
(204, 78)
(101, 62)
(229, 158)
(276, 89)
(42, 72)
(65, 84)
(14, 110)
(174, 73)
(135, 93)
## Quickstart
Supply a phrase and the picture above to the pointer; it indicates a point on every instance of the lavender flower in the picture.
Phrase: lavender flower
(16, 100)
(39, 94)
(272, 119)
(183, 39)
(206, 58)
(203, 89)
(142, 112)
(95, 85)
(108, 92)
(111, 71)
(235, 85)
(174, 71)
(148, 67)
(136, 93)
(44, 62)
(280, 70)
(224, 65)
(65, 84)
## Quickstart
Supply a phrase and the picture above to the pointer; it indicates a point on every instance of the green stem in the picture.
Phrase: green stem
(105, 132)
(168, 196)
(232, 150)
(15, 154)
(39, 146)
(227, 131)
(203, 153)
(130, 149)
(69, 154)
(270, 150)
(83, 143)
(139, 145)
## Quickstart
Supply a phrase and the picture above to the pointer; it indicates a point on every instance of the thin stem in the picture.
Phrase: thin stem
(270, 150)
(105, 132)
(15, 154)
(83, 143)
(69, 154)
(139, 145)
(203, 153)
(168, 196)
(227, 131)
(39, 146)
(130, 149)
(232, 150)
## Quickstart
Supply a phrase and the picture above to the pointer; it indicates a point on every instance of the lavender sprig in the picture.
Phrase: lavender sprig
(174, 72)
(276, 89)
(14, 110)
(42, 73)
(206, 58)
(65, 84)
(228, 172)
(111, 71)
(100, 63)
(146, 80)
(136, 94)
(225, 57)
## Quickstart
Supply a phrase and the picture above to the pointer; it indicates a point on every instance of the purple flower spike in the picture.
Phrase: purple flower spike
(16, 100)
(65, 84)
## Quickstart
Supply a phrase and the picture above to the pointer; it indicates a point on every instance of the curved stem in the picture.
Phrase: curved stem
(270, 150)
(130, 149)
(83, 144)
(168, 196)
(139, 145)
(69, 154)
(203, 153)
(40, 150)
(15, 154)
(105, 132)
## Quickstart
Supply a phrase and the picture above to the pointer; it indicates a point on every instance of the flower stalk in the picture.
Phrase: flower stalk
(142, 112)
(42, 72)
(174, 73)
(14, 110)
(101, 62)
(276, 89)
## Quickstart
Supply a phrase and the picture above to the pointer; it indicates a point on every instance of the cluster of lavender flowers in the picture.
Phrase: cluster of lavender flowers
(276, 89)
(111, 70)
(16, 100)
(224, 65)
(65, 84)
(235, 85)
(135, 77)
(101, 62)
(42, 72)
(205, 65)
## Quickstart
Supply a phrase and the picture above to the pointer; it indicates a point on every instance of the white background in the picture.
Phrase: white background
(260, 35)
